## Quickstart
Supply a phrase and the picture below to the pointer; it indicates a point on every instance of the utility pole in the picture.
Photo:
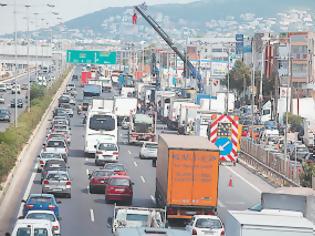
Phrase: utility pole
(228, 83)
(252, 87)
(28, 57)
(15, 67)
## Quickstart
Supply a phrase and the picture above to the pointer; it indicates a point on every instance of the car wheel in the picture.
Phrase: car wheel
(69, 195)
(91, 189)
(153, 163)
(140, 156)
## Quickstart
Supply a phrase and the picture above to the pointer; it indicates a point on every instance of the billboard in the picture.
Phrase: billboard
(219, 69)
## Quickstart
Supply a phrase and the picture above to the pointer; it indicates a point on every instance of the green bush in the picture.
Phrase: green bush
(306, 176)
(14, 138)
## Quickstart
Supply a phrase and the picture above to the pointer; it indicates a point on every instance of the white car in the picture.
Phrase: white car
(44, 156)
(148, 150)
(205, 225)
(32, 227)
(106, 152)
(2, 100)
(46, 215)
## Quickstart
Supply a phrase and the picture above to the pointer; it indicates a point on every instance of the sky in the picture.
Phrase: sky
(66, 9)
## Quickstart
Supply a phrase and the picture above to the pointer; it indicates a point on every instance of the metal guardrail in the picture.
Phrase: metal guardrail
(270, 165)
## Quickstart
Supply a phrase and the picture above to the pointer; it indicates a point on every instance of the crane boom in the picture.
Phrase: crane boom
(195, 74)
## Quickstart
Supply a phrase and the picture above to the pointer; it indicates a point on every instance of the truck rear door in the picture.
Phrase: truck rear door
(193, 178)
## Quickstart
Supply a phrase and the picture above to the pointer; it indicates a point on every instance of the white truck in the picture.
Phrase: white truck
(187, 113)
(124, 107)
(219, 104)
(163, 100)
(174, 110)
(309, 133)
(106, 84)
(202, 122)
(269, 222)
(104, 105)
(134, 217)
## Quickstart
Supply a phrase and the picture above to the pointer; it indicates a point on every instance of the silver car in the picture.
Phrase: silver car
(57, 182)
(44, 156)
(148, 150)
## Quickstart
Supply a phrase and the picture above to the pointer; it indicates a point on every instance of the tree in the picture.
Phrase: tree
(240, 76)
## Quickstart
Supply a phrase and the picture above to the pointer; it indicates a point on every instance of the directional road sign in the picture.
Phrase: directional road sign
(91, 57)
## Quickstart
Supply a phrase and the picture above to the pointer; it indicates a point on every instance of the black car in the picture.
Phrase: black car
(64, 99)
(19, 103)
(53, 165)
(5, 115)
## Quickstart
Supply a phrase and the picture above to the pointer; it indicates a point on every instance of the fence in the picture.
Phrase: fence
(273, 165)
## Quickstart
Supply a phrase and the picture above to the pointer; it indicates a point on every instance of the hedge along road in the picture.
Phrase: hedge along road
(17, 181)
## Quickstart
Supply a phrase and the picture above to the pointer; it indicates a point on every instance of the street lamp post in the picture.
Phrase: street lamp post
(28, 57)
(15, 67)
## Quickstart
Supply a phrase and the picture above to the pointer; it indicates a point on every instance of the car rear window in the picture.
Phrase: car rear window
(40, 199)
(56, 144)
(57, 177)
(208, 223)
(41, 216)
(119, 182)
(108, 147)
(49, 155)
(23, 231)
(102, 173)
(149, 145)
(115, 167)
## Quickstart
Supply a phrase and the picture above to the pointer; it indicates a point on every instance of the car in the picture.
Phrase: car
(19, 103)
(16, 88)
(87, 101)
(2, 100)
(148, 150)
(70, 87)
(106, 152)
(5, 115)
(125, 123)
(57, 182)
(53, 165)
(67, 107)
(3, 87)
(59, 112)
(41, 202)
(56, 136)
(44, 156)
(57, 145)
(59, 122)
(63, 117)
(64, 99)
(203, 225)
(75, 77)
(118, 169)
(98, 180)
(24, 86)
(62, 129)
(32, 227)
(46, 215)
(119, 188)
(9, 86)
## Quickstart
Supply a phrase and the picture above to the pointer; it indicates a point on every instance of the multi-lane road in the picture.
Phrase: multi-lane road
(86, 214)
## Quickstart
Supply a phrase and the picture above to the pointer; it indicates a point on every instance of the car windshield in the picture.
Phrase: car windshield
(46, 155)
(102, 122)
(107, 147)
(57, 177)
(208, 223)
(56, 144)
(115, 167)
(119, 182)
(102, 173)
(40, 199)
(150, 145)
(41, 216)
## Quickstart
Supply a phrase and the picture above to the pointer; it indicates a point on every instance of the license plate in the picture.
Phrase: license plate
(102, 181)
(119, 190)
(57, 189)
(191, 212)
(208, 232)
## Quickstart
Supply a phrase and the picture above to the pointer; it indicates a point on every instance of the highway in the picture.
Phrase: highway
(86, 214)
(8, 96)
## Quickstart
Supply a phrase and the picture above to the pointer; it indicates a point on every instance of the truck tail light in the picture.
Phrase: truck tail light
(171, 211)
(194, 232)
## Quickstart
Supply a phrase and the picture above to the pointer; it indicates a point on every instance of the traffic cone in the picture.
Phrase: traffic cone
(230, 182)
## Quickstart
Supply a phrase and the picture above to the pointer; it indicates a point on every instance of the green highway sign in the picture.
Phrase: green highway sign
(91, 57)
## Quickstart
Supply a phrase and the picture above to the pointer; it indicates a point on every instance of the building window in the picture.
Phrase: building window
(299, 70)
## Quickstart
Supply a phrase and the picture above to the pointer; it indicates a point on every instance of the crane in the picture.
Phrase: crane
(192, 70)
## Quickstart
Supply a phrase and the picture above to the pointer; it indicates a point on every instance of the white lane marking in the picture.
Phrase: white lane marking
(245, 180)
(152, 198)
(129, 152)
(135, 163)
(28, 188)
(142, 178)
(87, 172)
(92, 215)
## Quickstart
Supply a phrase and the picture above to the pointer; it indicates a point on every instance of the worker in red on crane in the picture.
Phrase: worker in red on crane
(134, 18)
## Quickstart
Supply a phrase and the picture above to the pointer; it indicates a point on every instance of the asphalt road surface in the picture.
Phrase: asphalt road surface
(86, 214)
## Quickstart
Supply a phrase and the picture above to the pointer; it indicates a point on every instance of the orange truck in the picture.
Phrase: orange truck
(187, 174)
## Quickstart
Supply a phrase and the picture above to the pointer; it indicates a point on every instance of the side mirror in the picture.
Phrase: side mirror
(90, 176)
(109, 222)
(59, 202)
(24, 201)
(21, 217)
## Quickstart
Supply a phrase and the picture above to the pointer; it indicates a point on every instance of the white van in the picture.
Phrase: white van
(32, 227)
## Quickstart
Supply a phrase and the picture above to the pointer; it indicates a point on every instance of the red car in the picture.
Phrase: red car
(98, 180)
(119, 188)
(118, 169)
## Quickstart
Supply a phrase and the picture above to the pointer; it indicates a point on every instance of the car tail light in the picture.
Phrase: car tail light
(41, 162)
(115, 153)
(194, 232)
(171, 211)
(45, 182)
(222, 233)
(55, 228)
(99, 152)
(68, 183)
(51, 207)
(29, 206)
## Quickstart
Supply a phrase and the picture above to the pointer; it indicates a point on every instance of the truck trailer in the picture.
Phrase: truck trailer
(186, 176)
